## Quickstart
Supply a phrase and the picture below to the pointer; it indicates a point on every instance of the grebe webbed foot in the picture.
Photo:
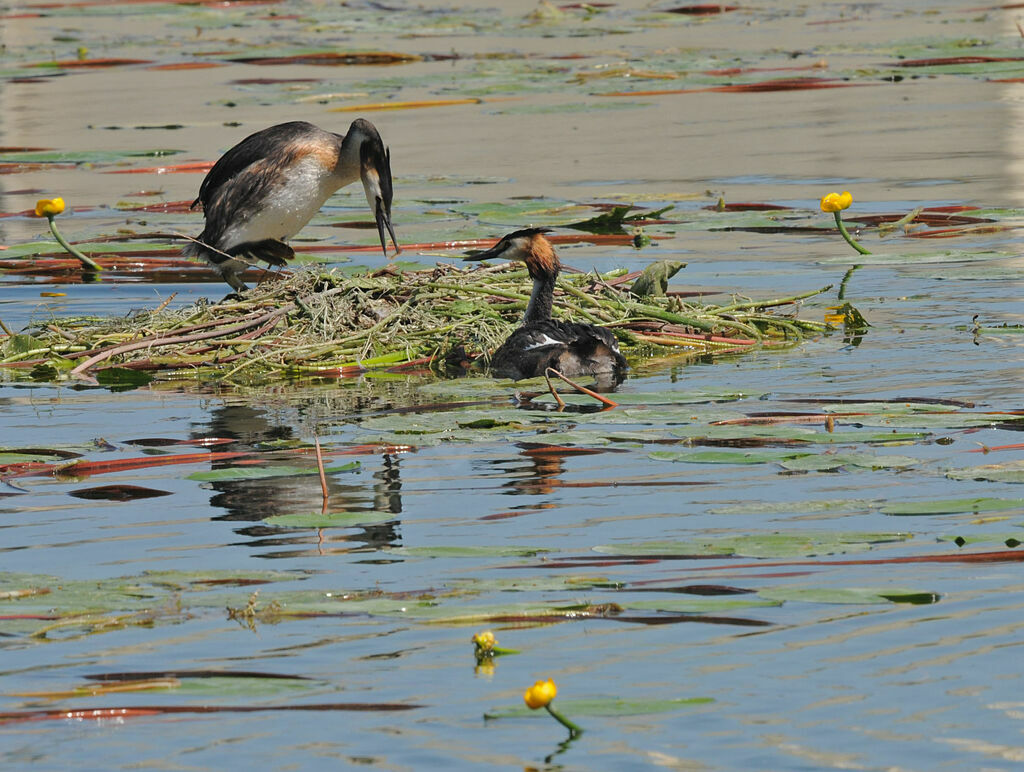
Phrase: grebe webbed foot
(582, 389)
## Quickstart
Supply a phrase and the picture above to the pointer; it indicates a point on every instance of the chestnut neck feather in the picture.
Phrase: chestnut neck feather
(543, 266)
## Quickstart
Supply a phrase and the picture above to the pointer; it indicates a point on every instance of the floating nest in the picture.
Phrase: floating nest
(328, 324)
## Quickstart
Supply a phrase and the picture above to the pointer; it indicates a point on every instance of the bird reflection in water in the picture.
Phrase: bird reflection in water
(252, 501)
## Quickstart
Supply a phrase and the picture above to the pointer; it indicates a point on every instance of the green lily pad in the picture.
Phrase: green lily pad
(776, 545)
(821, 506)
(602, 707)
(950, 506)
(1011, 540)
(697, 605)
(723, 456)
(850, 595)
(1010, 472)
(82, 156)
(826, 462)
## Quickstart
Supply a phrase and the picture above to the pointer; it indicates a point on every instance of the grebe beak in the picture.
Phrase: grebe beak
(488, 254)
(382, 214)
(376, 177)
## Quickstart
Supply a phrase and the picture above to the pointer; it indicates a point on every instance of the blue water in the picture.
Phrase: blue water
(799, 685)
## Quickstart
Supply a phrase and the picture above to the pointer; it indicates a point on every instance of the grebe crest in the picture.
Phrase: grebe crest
(267, 187)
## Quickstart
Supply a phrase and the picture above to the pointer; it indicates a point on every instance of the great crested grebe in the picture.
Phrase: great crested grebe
(267, 187)
(571, 348)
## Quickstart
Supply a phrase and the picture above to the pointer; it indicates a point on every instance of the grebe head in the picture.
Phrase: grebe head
(375, 173)
(529, 246)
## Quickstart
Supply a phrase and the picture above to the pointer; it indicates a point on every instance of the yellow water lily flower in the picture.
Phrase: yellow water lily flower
(48, 207)
(540, 694)
(836, 202)
(485, 641)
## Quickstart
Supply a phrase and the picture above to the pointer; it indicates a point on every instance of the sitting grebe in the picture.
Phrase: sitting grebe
(267, 187)
(571, 348)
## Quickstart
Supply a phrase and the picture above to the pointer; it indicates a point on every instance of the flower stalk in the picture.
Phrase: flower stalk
(50, 208)
(540, 695)
(836, 203)
(574, 729)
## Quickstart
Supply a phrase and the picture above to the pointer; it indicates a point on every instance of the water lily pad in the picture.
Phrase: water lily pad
(851, 595)
(684, 605)
(777, 545)
(820, 506)
(723, 456)
(826, 462)
(1010, 472)
(603, 707)
(951, 506)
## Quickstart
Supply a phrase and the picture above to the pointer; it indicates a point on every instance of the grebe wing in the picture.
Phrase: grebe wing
(249, 160)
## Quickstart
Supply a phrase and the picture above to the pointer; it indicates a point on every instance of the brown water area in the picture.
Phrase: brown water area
(803, 556)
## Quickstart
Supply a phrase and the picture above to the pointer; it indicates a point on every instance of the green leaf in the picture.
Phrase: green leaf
(723, 456)
(697, 605)
(950, 506)
(792, 544)
(1010, 472)
(822, 506)
(82, 156)
(827, 462)
(21, 344)
(849, 595)
(123, 378)
(610, 706)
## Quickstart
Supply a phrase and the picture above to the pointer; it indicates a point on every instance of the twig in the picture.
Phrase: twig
(166, 303)
(320, 468)
(769, 303)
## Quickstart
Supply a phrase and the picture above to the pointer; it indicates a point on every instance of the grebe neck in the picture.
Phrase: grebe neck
(539, 308)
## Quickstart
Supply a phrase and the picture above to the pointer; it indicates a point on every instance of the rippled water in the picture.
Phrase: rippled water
(483, 521)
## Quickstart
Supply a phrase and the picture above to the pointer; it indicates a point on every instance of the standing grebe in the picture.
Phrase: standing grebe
(267, 187)
(571, 348)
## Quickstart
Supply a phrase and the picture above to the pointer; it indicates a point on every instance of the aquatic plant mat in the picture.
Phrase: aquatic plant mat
(332, 324)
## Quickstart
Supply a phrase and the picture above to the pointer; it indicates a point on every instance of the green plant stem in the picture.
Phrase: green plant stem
(88, 262)
(770, 303)
(574, 730)
(846, 235)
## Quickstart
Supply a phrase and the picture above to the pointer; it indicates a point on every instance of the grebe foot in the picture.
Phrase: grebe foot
(582, 389)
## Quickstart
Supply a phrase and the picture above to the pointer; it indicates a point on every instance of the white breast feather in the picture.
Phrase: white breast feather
(287, 210)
